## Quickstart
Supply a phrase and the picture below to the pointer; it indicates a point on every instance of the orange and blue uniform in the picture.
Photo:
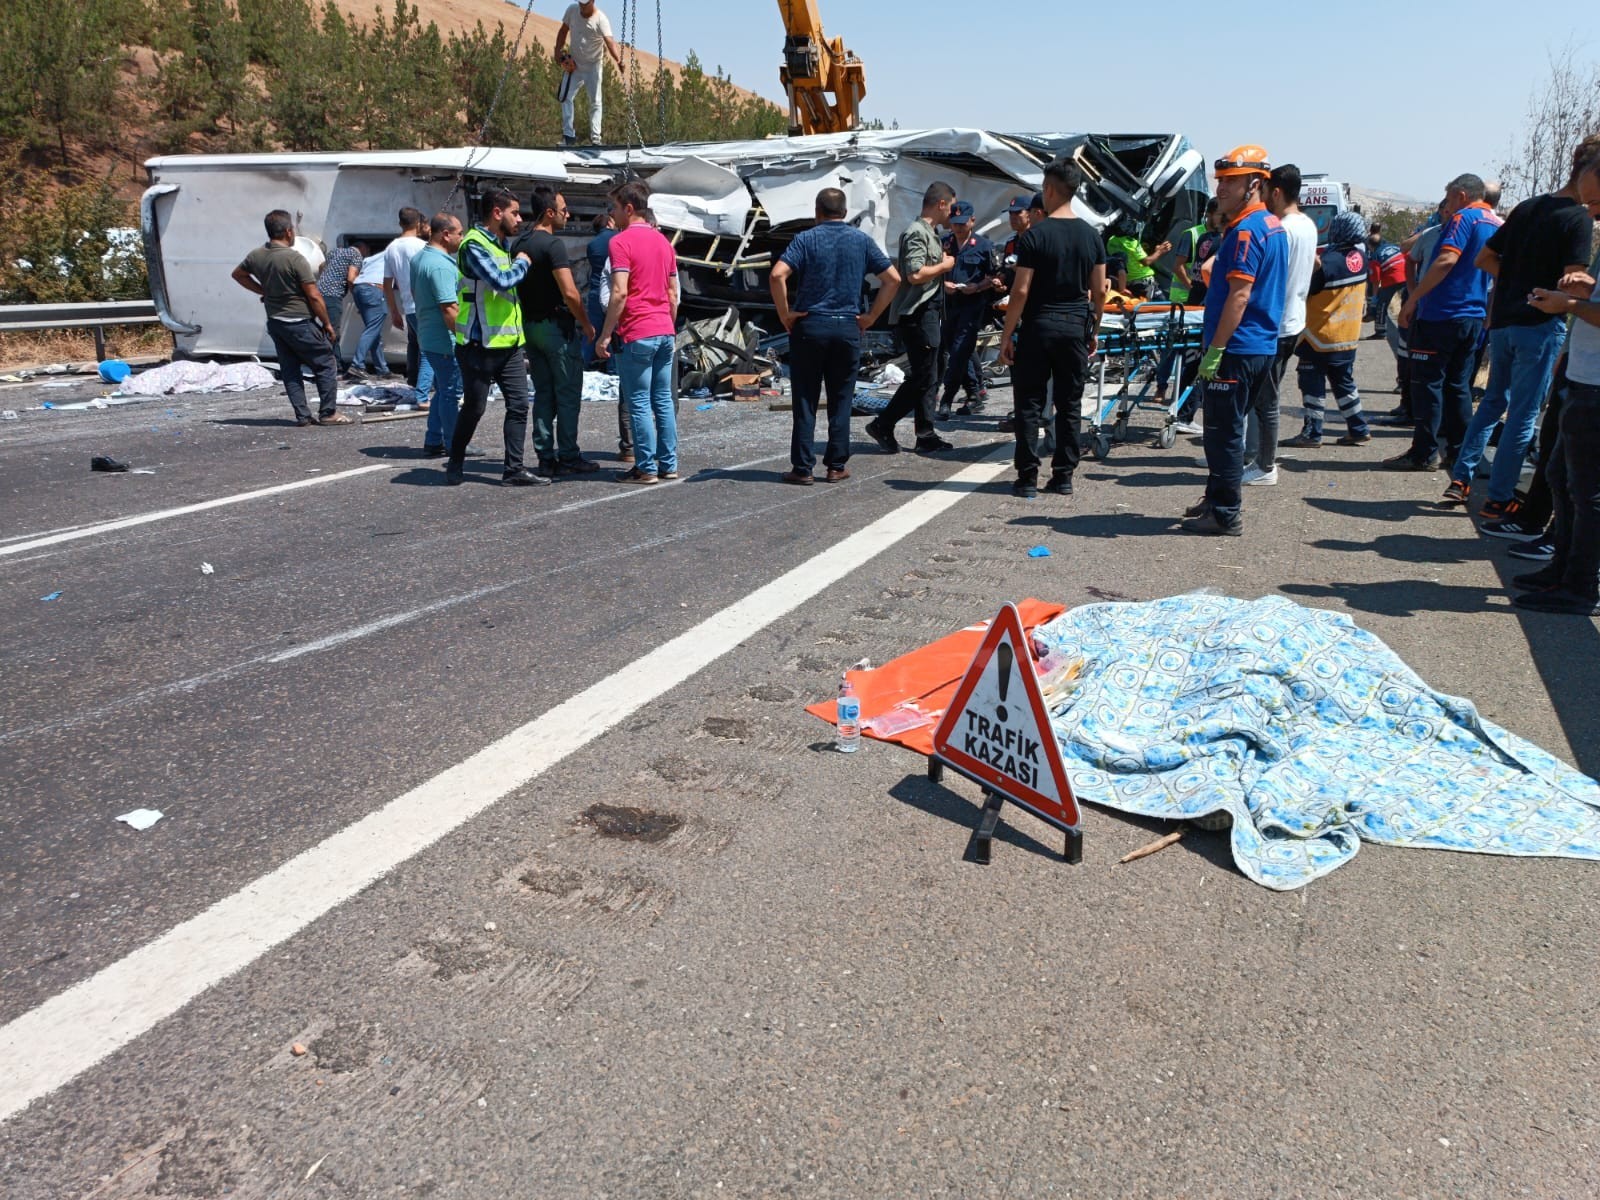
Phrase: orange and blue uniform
(1465, 291)
(1255, 248)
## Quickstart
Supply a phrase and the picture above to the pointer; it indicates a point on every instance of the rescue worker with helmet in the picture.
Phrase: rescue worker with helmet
(1240, 331)
(489, 337)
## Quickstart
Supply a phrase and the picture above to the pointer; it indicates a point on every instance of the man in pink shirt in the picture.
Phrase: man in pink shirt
(644, 312)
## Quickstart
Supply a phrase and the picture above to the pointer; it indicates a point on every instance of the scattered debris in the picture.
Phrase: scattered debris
(1039, 552)
(141, 818)
(1154, 847)
(298, 1050)
(102, 462)
(207, 569)
(315, 1167)
(50, 597)
(10, 414)
(704, 407)
(489, 927)
(114, 370)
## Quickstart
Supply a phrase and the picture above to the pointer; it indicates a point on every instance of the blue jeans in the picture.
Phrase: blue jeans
(1521, 359)
(424, 371)
(1444, 357)
(444, 375)
(645, 367)
(374, 312)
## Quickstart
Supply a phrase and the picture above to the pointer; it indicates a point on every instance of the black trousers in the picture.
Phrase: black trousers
(1575, 487)
(1052, 351)
(481, 368)
(824, 351)
(1237, 388)
(302, 344)
(920, 333)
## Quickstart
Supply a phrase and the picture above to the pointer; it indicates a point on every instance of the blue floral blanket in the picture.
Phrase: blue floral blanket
(1307, 730)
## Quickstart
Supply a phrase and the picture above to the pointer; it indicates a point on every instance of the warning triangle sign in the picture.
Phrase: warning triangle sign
(997, 731)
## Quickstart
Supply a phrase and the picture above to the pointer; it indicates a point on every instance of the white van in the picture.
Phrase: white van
(1320, 199)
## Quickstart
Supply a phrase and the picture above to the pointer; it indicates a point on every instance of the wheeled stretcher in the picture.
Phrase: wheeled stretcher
(1140, 345)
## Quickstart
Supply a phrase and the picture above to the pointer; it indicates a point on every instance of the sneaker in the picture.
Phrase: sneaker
(578, 466)
(625, 456)
(1511, 529)
(1302, 441)
(1404, 462)
(1007, 423)
(1541, 549)
(1198, 510)
(453, 475)
(1191, 428)
(973, 406)
(1544, 577)
(337, 418)
(1355, 439)
(672, 474)
(1256, 477)
(1210, 525)
(1456, 493)
(635, 476)
(942, 413)
(1499, 510)
(883, 437)
(1024, 489)
(1060, 484)
(933, 445)
(1559, 600)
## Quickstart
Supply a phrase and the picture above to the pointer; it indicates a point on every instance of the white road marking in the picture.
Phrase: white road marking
(166, 514)
(52, 1044)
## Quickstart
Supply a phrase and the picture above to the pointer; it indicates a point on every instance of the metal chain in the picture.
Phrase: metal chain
(635, 135)
(661, 76)
(483, 131)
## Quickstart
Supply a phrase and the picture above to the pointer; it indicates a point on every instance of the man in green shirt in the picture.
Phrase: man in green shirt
(297, 319)
(917, 312)
(1140, 262)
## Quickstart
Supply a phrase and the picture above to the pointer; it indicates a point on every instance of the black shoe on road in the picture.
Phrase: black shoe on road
(525, 478)
(453, 475)
(1559, 600)
(883, 437)
(933, 445)
(1210, 525)
(1059, 485)
(1537, 581)
(1025, 489)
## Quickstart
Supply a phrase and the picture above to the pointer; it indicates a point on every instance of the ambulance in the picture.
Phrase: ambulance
(1320, 199)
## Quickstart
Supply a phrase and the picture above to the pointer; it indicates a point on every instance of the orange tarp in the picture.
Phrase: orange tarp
(928, 675)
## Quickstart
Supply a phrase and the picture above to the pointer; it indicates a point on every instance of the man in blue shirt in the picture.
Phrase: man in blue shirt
(1444, 319)
(968, 299)
(829, 263)
(1243, 311)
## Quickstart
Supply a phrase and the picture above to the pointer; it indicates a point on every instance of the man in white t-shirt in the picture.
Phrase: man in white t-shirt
(581, 48)
(1261, 439)
(402, 306)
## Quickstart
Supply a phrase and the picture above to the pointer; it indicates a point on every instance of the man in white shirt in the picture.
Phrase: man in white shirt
(1283, 202)
(402, 306)
(588, 33)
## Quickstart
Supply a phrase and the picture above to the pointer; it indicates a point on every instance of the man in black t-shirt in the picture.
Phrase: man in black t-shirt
(1057, 301)
(555, 322)
(1543, 239)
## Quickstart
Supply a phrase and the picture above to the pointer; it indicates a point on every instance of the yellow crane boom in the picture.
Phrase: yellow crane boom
(815, 68)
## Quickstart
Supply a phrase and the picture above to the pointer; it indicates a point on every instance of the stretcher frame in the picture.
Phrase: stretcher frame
(1123, 341)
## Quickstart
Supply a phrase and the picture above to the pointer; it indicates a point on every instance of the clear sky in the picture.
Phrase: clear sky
(1393, 96)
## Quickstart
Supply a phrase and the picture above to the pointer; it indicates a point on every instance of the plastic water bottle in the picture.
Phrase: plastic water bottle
(849, 711)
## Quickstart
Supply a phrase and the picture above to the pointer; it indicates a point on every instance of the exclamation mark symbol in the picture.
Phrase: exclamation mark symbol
(1007, 657)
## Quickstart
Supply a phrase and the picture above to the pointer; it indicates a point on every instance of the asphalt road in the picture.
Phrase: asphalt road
(796, 986)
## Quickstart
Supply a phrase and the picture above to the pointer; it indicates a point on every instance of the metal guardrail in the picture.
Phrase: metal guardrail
(95, 316)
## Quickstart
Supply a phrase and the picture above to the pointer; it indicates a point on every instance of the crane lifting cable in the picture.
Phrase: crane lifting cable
(494, 102)
(635, 132)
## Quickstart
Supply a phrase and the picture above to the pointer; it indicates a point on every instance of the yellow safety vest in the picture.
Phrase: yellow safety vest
(498, 314)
